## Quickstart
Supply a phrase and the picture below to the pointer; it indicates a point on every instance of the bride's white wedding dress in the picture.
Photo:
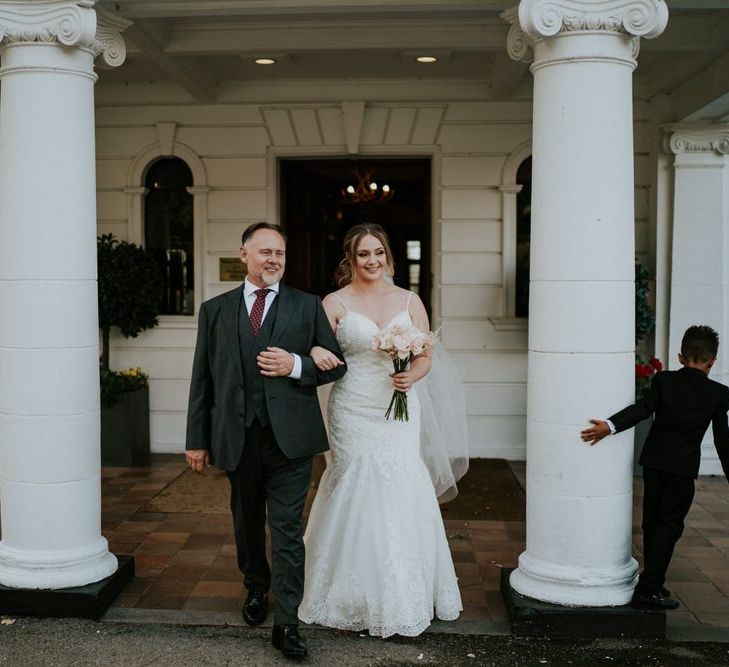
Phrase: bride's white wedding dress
(377, 556)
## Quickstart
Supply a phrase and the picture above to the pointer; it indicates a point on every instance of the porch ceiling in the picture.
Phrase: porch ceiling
(201, 44)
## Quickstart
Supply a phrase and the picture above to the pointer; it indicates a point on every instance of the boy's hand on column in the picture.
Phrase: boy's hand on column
(596, 432)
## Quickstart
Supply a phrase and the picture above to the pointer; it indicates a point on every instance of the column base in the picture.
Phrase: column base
(56, 569)
(532, 618)
(90, 601)
(574, 587)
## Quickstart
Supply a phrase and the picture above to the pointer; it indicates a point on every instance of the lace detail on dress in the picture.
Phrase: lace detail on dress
(377, 556)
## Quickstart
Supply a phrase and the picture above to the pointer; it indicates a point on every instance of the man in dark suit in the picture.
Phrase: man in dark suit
(254, 412)
(684, 403)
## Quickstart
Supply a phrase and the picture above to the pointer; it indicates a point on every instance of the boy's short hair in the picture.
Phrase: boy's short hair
(700, 343)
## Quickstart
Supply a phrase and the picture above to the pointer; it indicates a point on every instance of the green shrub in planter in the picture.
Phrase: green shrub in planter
(129, 298)
(129, 290)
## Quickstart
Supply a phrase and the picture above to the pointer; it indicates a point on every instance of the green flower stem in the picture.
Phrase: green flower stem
(399, 399)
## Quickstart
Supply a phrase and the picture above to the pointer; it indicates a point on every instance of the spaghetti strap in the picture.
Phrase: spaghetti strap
(407, 303)
(344, 305)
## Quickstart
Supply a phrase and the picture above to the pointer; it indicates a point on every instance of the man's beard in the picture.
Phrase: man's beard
(271, 278)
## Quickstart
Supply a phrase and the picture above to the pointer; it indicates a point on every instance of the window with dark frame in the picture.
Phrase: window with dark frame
(169, 232)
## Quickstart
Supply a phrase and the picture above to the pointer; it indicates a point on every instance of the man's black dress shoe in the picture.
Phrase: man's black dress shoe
(665, 592)
(255, 608)
(286, 639)
(653, 601)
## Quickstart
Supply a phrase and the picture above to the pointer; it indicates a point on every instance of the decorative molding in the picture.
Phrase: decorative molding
(136, 190)
(166, 137)
(512, 164)
(72, 23)
(509, 323)
(697, 138)
(519, 45)
(509, 190)
(353, 116)
(198, 189)
(637, 18)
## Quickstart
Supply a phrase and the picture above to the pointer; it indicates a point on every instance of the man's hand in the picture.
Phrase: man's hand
(275, 362)
(595, 433)
(198, 459)
(323, 359)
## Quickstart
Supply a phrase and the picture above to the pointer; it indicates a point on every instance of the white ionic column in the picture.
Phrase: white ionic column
(581, 320)
(50, 495)
(700, 244)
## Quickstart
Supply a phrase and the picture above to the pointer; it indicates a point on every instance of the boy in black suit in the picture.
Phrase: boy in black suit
(684, 403)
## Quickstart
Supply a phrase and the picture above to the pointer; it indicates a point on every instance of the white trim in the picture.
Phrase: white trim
(199, 191)
(509, 323)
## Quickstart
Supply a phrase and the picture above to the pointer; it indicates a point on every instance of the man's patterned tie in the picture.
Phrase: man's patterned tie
(257, 309)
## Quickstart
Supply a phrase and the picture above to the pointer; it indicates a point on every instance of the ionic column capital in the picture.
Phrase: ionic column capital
(635, 18)
(108, 41)
(696, 138)
(519, 45)
(66, 22)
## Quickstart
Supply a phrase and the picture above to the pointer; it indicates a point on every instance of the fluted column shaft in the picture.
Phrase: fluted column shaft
(581, 320)
(49, 388)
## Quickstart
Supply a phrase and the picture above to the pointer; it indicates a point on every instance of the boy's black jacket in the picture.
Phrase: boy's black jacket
(684, 402)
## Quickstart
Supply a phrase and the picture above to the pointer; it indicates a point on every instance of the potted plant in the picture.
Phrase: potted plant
(129, 285)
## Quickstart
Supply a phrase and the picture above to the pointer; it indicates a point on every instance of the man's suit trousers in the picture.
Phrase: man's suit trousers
(267, 482)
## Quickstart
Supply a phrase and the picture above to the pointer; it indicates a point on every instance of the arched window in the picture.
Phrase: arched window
(169, 232)
(523, 237)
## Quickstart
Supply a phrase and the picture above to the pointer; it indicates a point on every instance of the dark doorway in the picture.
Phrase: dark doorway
(322, 199)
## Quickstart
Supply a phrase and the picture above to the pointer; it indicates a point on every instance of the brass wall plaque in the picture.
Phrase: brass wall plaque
(232, 270)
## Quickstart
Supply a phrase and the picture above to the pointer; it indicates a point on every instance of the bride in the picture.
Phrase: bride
(377, 557)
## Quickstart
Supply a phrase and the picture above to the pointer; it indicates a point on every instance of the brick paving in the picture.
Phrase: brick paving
(187, 561)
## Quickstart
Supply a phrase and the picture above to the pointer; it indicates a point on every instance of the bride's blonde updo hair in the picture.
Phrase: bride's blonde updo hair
(345, 271)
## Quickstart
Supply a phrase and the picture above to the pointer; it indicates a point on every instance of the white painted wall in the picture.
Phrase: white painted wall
(238, 144)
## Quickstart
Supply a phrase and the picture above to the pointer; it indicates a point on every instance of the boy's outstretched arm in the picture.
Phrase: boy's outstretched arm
(596, 432)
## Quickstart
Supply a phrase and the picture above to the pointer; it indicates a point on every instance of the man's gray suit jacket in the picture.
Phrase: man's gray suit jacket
(216, 408)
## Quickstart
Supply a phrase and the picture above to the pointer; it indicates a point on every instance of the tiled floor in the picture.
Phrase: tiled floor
(187, 561)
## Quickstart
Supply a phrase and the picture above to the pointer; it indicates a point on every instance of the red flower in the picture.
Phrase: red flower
(656, 363)
(643, 371)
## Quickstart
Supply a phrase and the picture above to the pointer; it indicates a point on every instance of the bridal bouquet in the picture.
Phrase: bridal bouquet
(402, 344)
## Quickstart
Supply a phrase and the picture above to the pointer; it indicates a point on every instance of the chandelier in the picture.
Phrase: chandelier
(366, 191)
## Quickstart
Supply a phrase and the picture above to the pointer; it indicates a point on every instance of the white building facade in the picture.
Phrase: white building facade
(626, 164)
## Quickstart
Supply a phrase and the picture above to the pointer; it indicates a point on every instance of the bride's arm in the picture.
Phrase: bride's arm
(323, 358)
(420, 365)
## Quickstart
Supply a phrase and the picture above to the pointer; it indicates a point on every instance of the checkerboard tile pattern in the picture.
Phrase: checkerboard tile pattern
(188, 561)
